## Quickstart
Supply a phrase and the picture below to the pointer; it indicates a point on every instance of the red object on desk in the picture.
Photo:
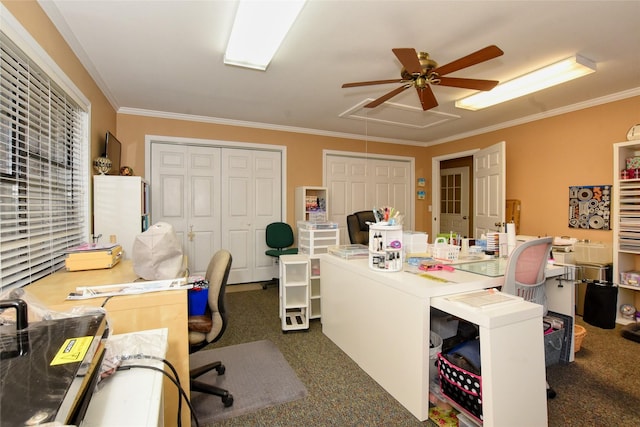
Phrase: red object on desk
(436, 267)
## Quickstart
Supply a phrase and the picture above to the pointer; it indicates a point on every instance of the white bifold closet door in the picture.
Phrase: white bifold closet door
(357, 183)
(218, 197)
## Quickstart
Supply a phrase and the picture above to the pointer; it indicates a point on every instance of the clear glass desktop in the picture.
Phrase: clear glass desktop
(491, 267)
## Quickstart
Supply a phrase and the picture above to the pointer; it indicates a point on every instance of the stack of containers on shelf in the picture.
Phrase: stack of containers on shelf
(385, 247)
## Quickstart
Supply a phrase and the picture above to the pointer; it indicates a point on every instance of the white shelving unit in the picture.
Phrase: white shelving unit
(312, 204)
(294, 292)
(315, 239)
(120, 209)
(626, 226)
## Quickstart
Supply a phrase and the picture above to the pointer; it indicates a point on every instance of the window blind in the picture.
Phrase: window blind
(42, 171)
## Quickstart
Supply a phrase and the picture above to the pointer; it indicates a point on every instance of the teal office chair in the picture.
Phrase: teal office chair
(279, 237)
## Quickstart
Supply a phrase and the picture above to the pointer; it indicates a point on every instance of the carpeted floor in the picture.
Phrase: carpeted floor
(601, 388)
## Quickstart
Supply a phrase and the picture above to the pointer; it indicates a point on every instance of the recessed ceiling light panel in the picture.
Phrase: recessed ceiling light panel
(258, 30)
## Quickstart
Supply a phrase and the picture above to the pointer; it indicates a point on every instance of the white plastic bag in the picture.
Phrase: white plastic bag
(157, 253)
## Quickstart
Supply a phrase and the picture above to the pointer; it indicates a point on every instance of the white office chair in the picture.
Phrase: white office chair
(524, 276)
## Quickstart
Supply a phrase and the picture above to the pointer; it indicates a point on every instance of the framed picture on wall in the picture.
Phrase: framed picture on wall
(590, 207)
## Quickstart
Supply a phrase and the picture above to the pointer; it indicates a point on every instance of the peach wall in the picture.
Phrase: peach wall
(547, 156)
(544, 157)
(304, 152)
(37, 23)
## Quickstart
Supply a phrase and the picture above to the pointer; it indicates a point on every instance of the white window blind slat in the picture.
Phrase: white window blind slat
(42, 170)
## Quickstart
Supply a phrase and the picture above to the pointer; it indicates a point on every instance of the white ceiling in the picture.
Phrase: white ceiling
(166, 56)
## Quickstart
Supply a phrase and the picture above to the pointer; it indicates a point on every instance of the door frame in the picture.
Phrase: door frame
(178, 140)
(435, 186)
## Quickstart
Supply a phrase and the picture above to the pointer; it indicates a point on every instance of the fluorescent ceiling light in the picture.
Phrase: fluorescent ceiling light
(258, 31)
(551, 75)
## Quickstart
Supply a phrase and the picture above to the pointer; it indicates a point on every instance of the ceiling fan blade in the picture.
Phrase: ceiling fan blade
(409, 59)
(427, 98)
(373, 82)
(387, 96)
(476, 84)
(474, 58)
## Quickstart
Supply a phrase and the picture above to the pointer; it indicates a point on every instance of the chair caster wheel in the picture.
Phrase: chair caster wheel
(221, 370)
(227, 400)
(551, 393)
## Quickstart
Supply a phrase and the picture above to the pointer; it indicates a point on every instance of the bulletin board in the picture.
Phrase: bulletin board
(590, 207)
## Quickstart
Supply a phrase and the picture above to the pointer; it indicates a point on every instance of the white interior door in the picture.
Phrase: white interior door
(489, 169)
(358, 183)
(251, 199)
(185, 192)
(454, 200)
(218, 197)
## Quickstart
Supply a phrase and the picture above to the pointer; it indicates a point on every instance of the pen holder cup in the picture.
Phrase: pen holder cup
(197, 299)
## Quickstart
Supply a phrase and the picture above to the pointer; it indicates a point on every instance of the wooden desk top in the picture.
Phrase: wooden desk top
(53, 289)
(127, 313)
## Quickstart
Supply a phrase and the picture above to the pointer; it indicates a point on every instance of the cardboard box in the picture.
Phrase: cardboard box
(96, 259)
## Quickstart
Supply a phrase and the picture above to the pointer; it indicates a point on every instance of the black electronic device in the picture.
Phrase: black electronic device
(49, 368)
(112, 150)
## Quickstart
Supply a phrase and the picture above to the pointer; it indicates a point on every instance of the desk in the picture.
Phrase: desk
(382, 321)
(129, 313)
(131, 397)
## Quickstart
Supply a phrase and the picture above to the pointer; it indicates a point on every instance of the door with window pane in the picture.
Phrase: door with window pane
(454, 201)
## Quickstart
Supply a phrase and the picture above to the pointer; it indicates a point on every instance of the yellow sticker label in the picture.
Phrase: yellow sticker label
(73, 350)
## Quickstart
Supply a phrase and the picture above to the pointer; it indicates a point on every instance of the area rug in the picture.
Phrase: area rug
(257, 375)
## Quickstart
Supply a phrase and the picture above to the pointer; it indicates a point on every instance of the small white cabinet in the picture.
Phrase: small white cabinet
(294, 292)
(120, 209)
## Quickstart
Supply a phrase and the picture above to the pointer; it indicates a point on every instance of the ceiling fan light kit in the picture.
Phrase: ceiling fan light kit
(421, 72)
(551, 75)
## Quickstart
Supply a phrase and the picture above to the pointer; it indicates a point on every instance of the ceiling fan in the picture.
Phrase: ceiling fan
(421, 71)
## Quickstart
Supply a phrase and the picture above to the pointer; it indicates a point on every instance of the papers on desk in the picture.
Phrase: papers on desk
(488, 298)
(86, 292)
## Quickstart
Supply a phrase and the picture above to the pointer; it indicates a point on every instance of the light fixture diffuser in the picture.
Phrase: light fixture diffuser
(551, 75)
(258, 30)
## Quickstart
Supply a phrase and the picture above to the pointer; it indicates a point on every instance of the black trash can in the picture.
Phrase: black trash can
(600, 304)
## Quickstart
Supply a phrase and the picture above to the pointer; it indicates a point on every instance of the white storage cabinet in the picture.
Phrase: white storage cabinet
(626, 226)
(294, 292)
(311, 204)
(315, 239)
(120, 209)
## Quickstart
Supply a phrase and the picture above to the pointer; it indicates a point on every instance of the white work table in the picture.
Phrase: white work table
(382, 321)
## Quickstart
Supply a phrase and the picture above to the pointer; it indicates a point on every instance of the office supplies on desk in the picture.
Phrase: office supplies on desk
(93, 256)
(436, 267)
(86, 292)
(488, 298)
